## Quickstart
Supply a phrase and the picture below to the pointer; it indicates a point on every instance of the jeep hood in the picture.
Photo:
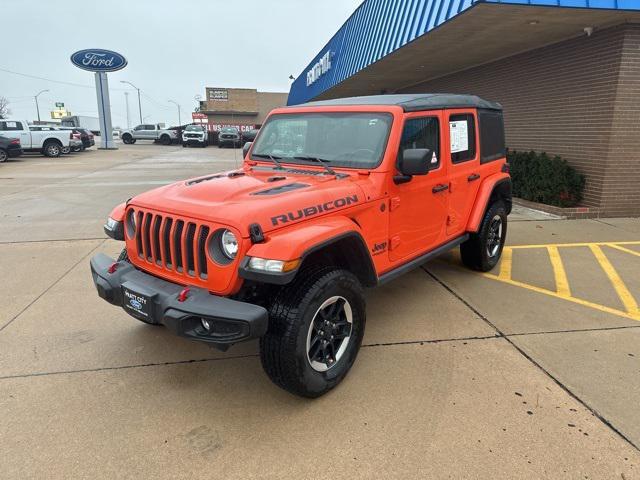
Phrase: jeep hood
(271, 198)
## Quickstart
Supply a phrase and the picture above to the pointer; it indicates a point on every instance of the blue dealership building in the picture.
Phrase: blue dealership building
(567, 73)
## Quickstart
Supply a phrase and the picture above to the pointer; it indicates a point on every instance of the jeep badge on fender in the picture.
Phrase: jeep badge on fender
(333, 197)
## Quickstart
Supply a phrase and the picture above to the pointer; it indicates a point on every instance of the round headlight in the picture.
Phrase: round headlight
(229, 244)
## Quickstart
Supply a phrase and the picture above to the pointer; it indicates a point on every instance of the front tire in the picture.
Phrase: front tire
(127, 139)
(3, 155)
(52, 149)
(315, 330)
(482, 250)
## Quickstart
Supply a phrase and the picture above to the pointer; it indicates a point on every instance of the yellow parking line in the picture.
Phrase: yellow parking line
(579, 301)
(621, 289)
(562, 284)
(584, 244)
(505, 264)
(622, 249)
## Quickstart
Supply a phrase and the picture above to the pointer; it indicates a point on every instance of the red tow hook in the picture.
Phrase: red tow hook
(113, 267)
(182, 296)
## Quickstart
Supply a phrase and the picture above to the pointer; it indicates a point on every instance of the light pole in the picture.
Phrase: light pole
(37, 107)
(126, 99)
(139, 102)
(177, 105)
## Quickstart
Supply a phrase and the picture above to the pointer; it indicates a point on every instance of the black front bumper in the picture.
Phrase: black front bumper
(230, 321)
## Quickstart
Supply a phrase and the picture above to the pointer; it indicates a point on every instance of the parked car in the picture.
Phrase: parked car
(9, 148)
(229, 136)
(155, 132)
(37, 138)
(249, 135)
(195, 135)
(87, 137)
(75, 144)
(333, 196)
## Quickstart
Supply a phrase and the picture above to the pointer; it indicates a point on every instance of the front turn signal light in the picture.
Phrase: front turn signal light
(273, 266)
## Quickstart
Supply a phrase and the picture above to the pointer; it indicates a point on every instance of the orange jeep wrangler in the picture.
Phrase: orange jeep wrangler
(333, 196)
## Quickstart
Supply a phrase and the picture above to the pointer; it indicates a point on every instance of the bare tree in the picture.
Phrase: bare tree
(4, 108)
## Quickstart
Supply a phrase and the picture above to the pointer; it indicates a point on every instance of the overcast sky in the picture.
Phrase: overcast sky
(174, 48)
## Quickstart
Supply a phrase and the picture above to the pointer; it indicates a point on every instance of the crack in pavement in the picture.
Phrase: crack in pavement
(50, 286)
(234, 357)
(522, 352)
(15, 242)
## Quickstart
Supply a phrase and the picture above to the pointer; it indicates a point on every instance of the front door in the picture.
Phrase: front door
(464, 173)
(419, 208)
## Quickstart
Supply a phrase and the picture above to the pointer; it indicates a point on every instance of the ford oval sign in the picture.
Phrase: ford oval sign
(98, 60)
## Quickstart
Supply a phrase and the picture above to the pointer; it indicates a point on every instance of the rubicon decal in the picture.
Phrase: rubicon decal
(314, 210)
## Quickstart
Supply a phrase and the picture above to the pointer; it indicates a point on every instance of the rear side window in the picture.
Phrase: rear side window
(492, 142)
(422, 133)
(10, 126)
(462, 135)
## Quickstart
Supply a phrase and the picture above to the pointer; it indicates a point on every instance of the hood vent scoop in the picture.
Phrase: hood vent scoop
(213, 177)
(203, 179)
(281, 189)
(276, 179)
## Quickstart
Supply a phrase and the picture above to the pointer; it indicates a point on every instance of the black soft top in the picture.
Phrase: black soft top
(413, 102)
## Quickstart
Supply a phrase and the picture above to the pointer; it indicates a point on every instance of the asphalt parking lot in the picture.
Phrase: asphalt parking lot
(530, 371)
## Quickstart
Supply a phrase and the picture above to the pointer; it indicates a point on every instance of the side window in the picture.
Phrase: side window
(149, 127)
(462, 136)
(138, 128)
(10, 126)
(422, 133)
(492, 142)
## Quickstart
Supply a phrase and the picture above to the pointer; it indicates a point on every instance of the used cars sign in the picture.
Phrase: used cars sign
(98, 60)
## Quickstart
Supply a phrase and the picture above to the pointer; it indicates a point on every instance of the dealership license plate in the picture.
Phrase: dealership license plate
(136, 304)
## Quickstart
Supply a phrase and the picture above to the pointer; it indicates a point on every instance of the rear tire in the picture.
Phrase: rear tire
(51, 149)
(165, 139)
(65, 150)
(483, 249)
(3, 155)
(315, 330)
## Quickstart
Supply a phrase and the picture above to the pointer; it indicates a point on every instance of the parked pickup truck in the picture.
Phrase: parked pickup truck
(155, 132)
(33, 138)
(333, 196)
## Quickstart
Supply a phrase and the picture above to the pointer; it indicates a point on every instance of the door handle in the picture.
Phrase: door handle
(473, 177)
(440, 188)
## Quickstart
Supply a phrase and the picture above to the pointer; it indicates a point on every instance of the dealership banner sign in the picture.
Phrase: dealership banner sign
(321, 67)
(203, 119)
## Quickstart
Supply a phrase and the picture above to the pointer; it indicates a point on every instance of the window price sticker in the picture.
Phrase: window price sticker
(459, 135)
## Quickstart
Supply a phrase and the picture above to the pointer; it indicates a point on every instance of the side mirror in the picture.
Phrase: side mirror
(413, 161)
(246, 148)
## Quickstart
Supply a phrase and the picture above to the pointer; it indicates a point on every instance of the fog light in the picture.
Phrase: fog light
(205, 324)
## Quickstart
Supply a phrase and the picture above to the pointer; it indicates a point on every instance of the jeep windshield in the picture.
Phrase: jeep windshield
(194, 128)
(354, 140)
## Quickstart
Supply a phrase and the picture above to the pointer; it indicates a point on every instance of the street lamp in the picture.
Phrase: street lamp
(177, 105)
(139, 103)
(37, 107)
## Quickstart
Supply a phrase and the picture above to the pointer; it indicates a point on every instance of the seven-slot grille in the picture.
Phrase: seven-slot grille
(172, 244)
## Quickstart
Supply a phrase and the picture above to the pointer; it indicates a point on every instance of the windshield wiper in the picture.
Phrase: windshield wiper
(321, 161)
(273, 158)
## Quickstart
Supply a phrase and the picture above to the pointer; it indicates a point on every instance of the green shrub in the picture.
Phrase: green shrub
(540, 178)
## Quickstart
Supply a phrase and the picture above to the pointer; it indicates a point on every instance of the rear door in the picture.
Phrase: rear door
(419, 208)
(464, 167)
